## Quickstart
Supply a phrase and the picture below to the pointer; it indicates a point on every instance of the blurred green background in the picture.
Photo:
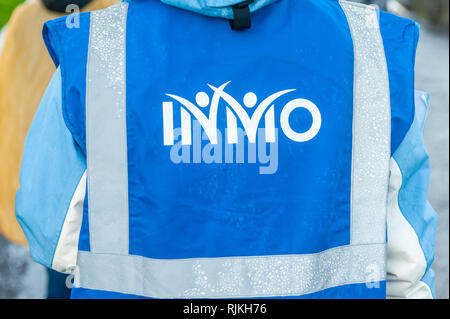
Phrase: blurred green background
(6, 8)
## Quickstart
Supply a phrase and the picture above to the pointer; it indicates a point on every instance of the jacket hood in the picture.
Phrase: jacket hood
(215, 8)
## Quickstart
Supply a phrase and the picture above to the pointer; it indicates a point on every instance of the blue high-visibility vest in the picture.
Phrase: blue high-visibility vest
(235, 164)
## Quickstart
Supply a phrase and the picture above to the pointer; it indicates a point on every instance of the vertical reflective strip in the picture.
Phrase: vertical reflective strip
(371, 127)
(106, 132)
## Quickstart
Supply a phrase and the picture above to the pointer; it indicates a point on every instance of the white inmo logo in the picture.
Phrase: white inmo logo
(235, 110)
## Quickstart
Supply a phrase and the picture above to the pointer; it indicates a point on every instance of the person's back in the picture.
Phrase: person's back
(223, 163)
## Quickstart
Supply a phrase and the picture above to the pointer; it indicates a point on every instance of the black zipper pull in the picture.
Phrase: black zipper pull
(241, 16)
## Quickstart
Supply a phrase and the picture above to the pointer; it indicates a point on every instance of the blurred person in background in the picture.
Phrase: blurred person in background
(26, 70)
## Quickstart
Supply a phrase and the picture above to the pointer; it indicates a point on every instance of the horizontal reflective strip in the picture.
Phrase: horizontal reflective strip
(231, 277)
(106, 139)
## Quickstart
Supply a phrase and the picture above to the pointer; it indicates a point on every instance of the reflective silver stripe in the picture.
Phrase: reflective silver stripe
(109, 268)
(106, 132)
(371, 127)
(261, 276)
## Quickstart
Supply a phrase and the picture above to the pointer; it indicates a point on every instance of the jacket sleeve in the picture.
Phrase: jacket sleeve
(49, 203)
(411, 221)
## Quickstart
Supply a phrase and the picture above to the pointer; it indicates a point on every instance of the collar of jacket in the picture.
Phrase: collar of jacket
(215, 8)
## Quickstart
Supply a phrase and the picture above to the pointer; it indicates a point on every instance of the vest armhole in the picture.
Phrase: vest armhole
(400, 38)
(52, 42)
(63, 45)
